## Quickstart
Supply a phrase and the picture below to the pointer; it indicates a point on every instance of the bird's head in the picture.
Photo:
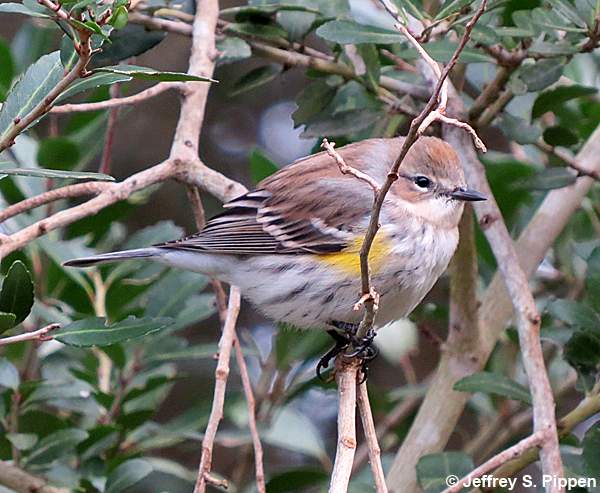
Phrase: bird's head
(432, 184)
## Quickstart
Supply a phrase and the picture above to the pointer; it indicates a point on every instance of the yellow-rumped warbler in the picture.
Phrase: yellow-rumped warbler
(292, 245)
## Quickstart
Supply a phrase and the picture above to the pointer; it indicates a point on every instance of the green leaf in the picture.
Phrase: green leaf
(591, 450)
(294, 431)
(19, 8)
(58, 153)
(9, 375)
(56, 445)
(131, 41)
(255, 78)
(145, 73)
(541, 74)
(93, 82)
(311, 101)
(7, 69)
(126, 475)
(349, 32)
(94, 331)
(22, 441)
(270, 8)
(232, 50)
(119, 18)
(450, 7)
(262, 31)
(592, 279)
(575, 314)
(582, 351)
(16, 295)
(370, 56)
(560, 136)
(493, 383)
(542, 48)
(442, 51)
(56, 173)
(7, 321)
(566, 10)
(344, 123)
(295, 480)
(434, 469)
(554, 98)
(519, 130)
(30, 90)
(549, 179)
(261, 166)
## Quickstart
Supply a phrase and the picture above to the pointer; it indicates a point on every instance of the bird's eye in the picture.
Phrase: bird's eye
(422, 181)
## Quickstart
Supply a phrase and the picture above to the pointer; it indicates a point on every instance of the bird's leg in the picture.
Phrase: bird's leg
(364, 348)
(341, 343)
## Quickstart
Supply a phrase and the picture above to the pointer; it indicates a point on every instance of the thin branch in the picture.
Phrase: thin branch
(20, 481)
(221, 375)
(364, 410)
(79, 70)
(490, 93)
(568, 160)
(251, 404)
(346, 372)
(503, 457)
(346, 169)
(36, 335)
(587, 408)
(140, 97)
(109, 136)
(69, 191)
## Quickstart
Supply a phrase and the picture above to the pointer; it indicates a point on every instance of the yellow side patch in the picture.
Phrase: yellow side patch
(348, 260)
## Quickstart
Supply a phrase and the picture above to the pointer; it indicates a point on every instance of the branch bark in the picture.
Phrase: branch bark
(221, 375)
(22, 482)
(35, 335)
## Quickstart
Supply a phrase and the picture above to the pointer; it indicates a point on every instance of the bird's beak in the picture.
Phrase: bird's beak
(467, 195)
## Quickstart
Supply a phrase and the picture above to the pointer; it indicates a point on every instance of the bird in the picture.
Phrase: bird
(292, 244)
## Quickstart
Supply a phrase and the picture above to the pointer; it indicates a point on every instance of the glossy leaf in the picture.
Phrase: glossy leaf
(442, 51)
(297, 480)
(255, 78)
(591, 450)
(261, 166)
(592, 279)
(232, 50)
(31, 89)
(56, 445)
(542, 74)
(93, 82)
(575, 314)
(262, 31)
(126, 475)
(434, 469)
(311, 101)
(549, 179)
(349, 32)
(19, 8)
(270, 8)
(145, 73)
(16, 295)
(22, 441)
(552, 99)
(7, 321)
(519, 130)
(9, 375)
(95, 332)
(560, 136)
(493, 383)
(58, 153)
(7, 69)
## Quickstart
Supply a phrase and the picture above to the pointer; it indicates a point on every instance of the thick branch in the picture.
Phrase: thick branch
(22, 482)
(346, 425)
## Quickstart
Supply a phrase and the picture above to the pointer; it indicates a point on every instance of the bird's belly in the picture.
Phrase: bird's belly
(306, 292)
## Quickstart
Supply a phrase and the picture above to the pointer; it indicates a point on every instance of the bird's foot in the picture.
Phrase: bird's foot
(364, 349)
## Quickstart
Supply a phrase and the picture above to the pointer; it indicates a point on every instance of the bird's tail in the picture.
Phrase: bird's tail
(113, 257)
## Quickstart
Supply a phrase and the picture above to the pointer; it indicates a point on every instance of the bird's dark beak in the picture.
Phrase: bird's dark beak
(467, 195)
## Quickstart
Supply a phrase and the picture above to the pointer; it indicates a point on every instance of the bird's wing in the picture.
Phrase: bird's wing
(289, 213)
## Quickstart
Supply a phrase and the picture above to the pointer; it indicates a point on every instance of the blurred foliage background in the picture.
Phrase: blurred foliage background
(529, 78)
